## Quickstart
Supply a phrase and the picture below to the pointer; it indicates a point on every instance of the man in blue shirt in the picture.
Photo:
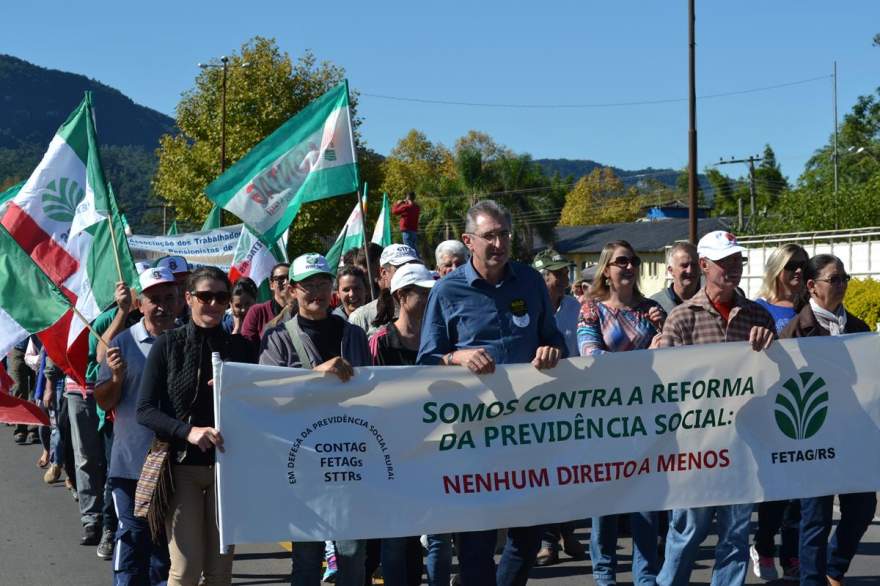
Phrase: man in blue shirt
(491, 311)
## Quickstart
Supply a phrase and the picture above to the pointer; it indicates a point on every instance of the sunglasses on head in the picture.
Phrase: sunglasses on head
(624, 261)
(209, 297)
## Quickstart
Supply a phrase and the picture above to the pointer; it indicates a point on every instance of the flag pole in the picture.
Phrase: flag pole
(364, 241)
(89, 327)
(113, 237)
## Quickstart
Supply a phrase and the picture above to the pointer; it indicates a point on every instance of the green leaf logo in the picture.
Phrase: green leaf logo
(60, 198)
(801, 406)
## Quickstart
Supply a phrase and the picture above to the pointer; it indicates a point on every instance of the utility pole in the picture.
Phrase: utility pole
(835, 155)
(224, 65)
(752, 189)
(692, 127)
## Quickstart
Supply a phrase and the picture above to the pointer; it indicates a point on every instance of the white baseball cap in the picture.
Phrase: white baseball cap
(307, 265)
(398, 254)
(414, 274)
(176, 264)
(155, 276)
(717, 245)
(141, 266)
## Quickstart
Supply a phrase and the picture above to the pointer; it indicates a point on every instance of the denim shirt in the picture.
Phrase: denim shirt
(510, 320)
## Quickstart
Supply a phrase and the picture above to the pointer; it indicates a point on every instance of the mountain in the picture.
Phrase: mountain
(34, 101)
(580, 167)
(37, 100)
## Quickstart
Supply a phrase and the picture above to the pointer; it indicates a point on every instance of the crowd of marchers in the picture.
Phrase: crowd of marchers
(136, 445)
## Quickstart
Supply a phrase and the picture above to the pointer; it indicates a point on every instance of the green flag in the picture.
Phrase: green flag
(351, 236)
(382, 232)
(310, 157)
(172, 229)
(214, 219)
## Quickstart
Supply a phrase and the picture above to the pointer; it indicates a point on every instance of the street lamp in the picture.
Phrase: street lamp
(224, 65)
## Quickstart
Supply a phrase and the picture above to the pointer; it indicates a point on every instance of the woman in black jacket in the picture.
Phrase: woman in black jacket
(822, 562)
(176, 402)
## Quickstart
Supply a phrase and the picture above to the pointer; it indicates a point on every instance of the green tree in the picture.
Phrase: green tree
(600, 198)
(724, 202)
(259, 98)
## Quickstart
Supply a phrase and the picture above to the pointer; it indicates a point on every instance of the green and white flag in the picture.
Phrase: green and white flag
(172, 229)
(310, 157)
(351, 236)
(60, 218)
(253, 259)
(382, 232)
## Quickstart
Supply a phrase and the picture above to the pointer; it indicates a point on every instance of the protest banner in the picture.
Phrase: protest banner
(207, 248)
(399, 451)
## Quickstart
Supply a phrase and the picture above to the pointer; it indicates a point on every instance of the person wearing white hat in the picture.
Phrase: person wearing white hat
(315, 339)
(116, 388)
(397, 344)
(716, 313)
(393, 257)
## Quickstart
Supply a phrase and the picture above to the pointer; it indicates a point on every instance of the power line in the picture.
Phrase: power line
(650, 102)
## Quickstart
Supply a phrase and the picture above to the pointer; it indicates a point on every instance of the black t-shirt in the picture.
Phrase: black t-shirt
(325, 334)
(389, 349)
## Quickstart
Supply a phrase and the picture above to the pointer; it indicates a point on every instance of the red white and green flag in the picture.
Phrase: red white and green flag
(15, 411)
(351, 235)
(309, 158)
(255, 260)
(59, 218)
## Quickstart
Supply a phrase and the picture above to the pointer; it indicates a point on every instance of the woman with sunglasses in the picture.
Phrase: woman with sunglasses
(616, 317)
(782, 294)
(176, 402)
(822, 562)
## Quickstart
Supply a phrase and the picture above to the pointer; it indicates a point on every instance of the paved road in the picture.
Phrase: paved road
(40, 542)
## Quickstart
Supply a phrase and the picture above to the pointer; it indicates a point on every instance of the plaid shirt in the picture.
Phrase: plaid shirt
(696, 321)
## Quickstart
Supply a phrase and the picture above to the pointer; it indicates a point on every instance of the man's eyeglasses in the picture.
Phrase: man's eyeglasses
(624, 261)
(209, 297)
(836, 280)
(500, 235)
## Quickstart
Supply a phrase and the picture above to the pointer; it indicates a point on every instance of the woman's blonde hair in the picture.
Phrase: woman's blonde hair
(774, 267)
(599, 288)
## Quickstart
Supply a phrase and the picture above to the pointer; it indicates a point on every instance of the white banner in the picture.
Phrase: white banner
(400, 451)
(209, 248)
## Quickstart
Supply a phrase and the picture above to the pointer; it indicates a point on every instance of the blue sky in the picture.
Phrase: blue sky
(563, 52)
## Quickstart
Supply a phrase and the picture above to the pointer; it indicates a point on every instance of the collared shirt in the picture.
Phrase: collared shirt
(131, 440)
(567, 316)
(696, 321)
(510, 320)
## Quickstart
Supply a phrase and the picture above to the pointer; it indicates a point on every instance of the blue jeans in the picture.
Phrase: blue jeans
(56, 446)
(438, 560)
(411, 239)
(687, 530)
(88, 455)
(603, 549)
(818, 556)
(137, 561)
(476, 556)
(109, 512)
(307, 557)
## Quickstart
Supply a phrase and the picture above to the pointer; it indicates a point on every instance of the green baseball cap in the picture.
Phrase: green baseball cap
(307, 265)
(550, 260)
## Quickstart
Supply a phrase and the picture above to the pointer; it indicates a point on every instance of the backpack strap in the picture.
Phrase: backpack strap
(295, 334)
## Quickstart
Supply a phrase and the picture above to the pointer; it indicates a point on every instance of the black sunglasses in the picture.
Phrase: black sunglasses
(623, 261)
(209, 297)
(793, 265)
(836, 280)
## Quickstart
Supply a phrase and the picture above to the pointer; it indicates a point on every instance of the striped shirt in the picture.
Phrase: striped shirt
(604, 329)
(696, 321)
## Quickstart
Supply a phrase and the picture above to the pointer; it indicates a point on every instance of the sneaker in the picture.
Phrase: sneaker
(33, 437)
(20, 438)
(573, 548)
(329, 575)
(91, 535)
(547, 556)
(791, 570)
(105, 547)
(764, 567)
(52, 474)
